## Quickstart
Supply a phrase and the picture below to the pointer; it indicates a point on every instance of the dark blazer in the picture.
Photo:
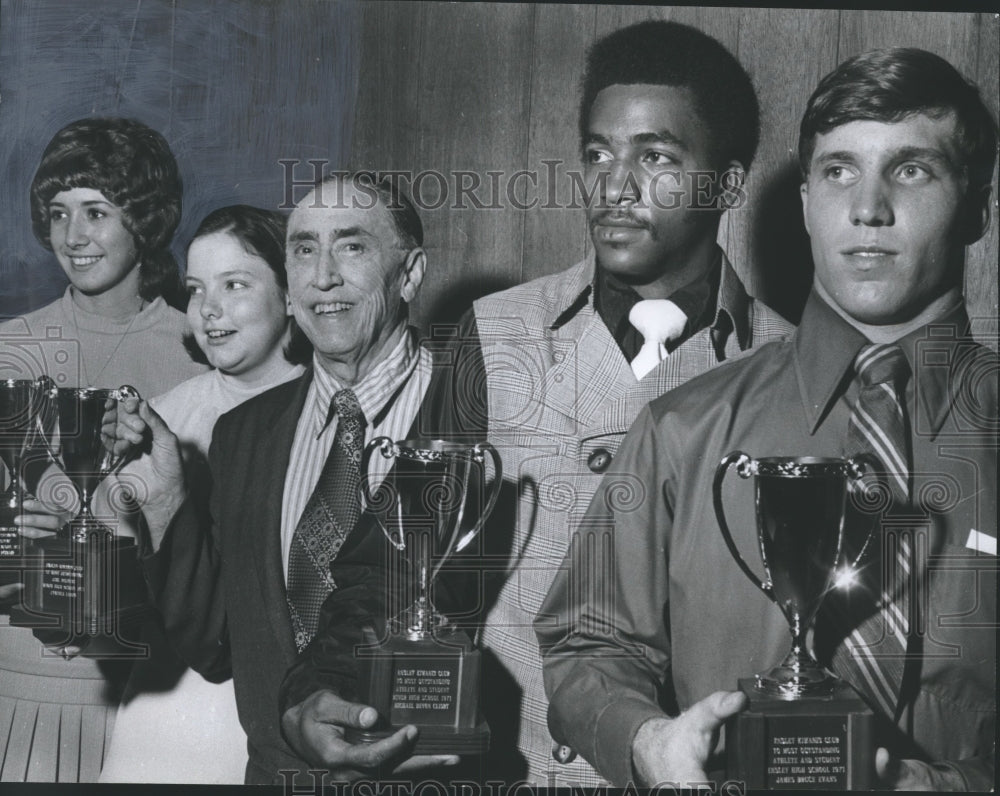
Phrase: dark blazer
(218, 579)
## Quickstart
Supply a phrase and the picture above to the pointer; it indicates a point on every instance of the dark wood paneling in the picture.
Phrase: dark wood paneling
(445, 89)
(981, 261)
(952, 36)
(722, 23)
(765, 238)
(555, 233)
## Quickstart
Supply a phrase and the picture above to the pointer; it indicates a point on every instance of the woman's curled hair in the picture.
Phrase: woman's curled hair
(132, 165)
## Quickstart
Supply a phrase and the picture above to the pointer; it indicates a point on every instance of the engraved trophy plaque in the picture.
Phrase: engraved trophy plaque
(432, 504)
(83, 585)
(23, 412)
(804, 727)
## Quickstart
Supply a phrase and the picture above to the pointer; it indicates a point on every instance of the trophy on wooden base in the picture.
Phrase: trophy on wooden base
(432, 504)
(804, 728)
(23, 412)
(83, 585)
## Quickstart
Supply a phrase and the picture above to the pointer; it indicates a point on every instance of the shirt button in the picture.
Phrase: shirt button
(563, 754)
(599, 460)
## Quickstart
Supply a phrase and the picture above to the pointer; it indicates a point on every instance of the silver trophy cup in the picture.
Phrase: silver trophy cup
(85, 582)
(800, 529)
(432, 504)
(804, 727)
(24, 412)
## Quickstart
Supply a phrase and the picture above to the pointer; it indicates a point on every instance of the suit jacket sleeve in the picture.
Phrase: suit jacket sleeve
(606, 651)
(356, 611)
(184, 578)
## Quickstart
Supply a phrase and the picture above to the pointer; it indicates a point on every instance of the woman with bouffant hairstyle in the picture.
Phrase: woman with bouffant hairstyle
(105, 200)
(133, 167)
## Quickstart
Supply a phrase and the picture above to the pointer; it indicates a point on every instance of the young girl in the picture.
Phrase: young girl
(173, 725)
(106, 200)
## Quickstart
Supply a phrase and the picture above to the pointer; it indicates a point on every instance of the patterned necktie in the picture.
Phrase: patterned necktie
(329, 516)
(873, 653)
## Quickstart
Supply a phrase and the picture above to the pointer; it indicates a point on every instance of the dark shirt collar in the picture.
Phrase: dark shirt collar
(826, 345)
(576, 293)
(731, 305)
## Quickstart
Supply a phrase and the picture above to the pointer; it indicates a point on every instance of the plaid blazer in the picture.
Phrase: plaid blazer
(561, 397)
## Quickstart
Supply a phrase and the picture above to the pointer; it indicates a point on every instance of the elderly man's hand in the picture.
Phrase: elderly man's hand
(676, 750)
(897, 774)
(315, 729)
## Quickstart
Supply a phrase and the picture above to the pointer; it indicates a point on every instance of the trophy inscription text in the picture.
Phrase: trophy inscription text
(804, 744)
(62, 581)
(424, 690)
(10, 543)
(811, 751)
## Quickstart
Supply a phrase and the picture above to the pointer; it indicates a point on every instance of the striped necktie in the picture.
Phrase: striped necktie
(874, 651)
(330, 514)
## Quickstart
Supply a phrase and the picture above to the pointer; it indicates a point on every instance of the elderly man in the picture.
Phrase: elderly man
(240, 591)
(897, 152)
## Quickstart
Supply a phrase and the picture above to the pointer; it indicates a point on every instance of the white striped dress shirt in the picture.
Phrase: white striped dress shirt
(390, 396)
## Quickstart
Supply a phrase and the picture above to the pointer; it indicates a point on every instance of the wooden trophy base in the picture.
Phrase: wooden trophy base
(83, 593)
(810, 743)
(432, 683)
(434, 740)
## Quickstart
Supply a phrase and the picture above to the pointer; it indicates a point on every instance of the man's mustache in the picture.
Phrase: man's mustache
(618, 217)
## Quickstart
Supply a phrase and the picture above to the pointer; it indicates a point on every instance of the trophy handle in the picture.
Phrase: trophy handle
(47, 417)
(856, 468)
(43, 412)
(744, 468)
(384, 444)
(479, 451)
(113, 463)
(386, 447)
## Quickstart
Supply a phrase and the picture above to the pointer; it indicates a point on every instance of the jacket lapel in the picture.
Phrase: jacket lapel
(692, 358)
(588, 374)
(262, 510)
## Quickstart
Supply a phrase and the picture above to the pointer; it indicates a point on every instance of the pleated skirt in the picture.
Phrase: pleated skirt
(56, 716)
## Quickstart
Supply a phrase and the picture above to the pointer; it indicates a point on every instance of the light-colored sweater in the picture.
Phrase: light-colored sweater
(78, 348)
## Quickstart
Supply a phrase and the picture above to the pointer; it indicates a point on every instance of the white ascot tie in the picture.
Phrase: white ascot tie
(657, 320)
